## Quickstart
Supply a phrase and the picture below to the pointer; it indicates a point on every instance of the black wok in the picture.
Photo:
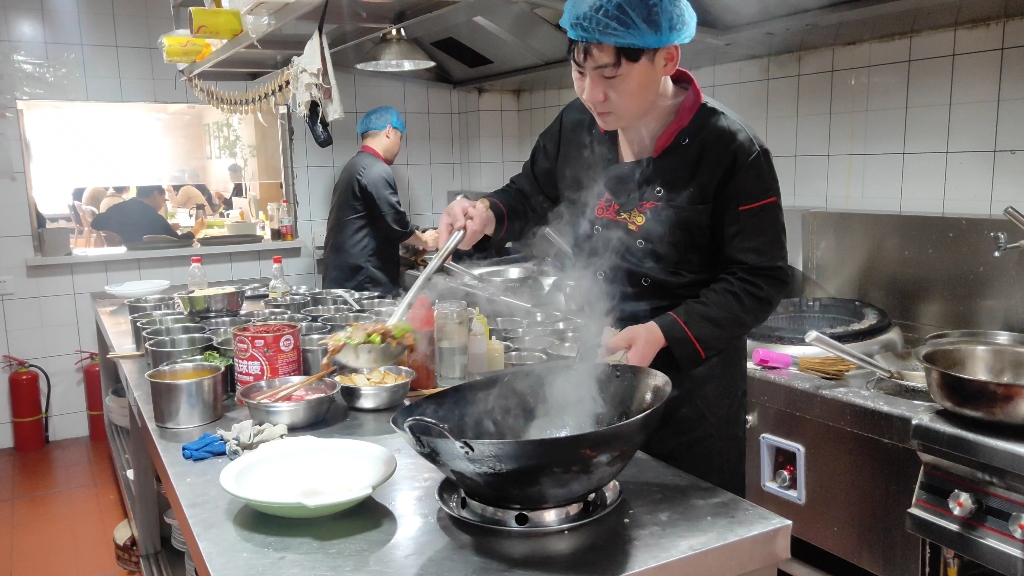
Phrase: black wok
(537, 437)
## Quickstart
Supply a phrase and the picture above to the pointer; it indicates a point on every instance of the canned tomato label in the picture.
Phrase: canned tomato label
(265, 351)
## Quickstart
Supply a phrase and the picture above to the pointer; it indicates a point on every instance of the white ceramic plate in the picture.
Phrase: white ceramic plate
(137, 288)
(308, 477)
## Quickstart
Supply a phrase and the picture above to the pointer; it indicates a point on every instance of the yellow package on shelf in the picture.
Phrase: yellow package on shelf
(219, 23)
(181, 48)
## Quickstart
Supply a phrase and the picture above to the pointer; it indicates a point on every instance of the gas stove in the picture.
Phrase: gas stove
(970, 493)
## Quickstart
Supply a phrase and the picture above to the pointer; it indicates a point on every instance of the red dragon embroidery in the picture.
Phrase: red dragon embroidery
(634, 219)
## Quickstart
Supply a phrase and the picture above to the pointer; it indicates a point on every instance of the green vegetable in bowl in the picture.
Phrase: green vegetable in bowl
(216, 358)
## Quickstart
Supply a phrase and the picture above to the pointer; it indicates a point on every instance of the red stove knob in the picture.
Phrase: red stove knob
(963, 504)
(1017, 525)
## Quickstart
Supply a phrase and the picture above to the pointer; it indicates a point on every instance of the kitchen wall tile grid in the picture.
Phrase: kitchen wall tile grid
(932, 124)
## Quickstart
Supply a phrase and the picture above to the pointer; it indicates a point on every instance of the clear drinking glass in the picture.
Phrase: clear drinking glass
(451, 344)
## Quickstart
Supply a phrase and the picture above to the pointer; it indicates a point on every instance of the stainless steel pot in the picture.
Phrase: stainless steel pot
(360, 296)
(219, 333)
(186, 395)
(532, 343)
(137, 331)
(341, 321)
(294, 318)
(293, 304)
(313, 353)
(227, 301)
(331, 297)
(379, 303)
(292, 414)
(378, 397)
(229, 322)
(164, 350)
(977, 379)
(150, 304)
(316, 312)
(303, 290)
(226, 377)
(258, 315)
(155, 322)
(524, 358)
(167, 331)
(307, 328)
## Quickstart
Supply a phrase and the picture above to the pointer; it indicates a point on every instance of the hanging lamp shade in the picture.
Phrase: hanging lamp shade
(395, 53)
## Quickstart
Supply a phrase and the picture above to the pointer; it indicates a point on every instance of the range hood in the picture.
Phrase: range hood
(517, 45)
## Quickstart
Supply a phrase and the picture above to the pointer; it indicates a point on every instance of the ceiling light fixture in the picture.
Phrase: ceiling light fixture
(395, 53)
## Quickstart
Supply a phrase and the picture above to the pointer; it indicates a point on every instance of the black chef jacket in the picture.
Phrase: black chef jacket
(365, 228)
(692, 238)
(133, 219)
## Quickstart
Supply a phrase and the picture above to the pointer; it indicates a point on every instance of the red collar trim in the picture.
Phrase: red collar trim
(370, 150)
(687, 108)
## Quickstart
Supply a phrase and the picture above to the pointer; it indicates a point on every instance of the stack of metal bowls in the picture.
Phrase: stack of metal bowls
(316, 312)
(214, 302)
(378, 303)
(262, 315)
(220, 333)
(169, 331)
(137, 330)
(340, 322)
(143, 325)
(228, 322)
(293, 318)
(164, 350)
(308, 328)
(151, 304)
(293, 304)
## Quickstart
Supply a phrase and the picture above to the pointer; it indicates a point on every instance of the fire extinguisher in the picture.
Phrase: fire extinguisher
(93, 395)
(30, 420)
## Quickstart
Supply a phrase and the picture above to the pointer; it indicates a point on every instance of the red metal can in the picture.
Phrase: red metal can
(266, 350)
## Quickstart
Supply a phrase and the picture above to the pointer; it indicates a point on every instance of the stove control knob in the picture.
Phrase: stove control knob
(784, 478)
(963, 504)
(1017, 525)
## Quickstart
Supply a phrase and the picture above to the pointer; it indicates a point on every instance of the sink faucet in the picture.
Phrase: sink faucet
(1000, 237)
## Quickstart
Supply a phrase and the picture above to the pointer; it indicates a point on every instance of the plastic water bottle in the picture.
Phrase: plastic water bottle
(278, 285)
(477, 349)
(196, 275)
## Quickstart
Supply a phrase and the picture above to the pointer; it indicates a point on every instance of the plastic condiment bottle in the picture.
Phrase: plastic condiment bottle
(477, 348)
(495, 356)
(421, 361)
(196, 275)
(278, 285)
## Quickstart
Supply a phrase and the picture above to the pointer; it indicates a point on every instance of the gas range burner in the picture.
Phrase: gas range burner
(457, 504)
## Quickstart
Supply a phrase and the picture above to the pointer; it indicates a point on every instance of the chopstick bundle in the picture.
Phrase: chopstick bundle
(283, 392)
(828, 367)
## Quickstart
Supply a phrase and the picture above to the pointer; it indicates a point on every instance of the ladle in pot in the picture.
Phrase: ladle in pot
(831, 346)
(369, 356)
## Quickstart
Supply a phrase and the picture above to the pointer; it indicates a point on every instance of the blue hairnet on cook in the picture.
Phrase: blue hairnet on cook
(630, 23)
(379, 119)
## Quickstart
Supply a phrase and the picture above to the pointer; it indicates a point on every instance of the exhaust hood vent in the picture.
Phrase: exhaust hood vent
(461, 53)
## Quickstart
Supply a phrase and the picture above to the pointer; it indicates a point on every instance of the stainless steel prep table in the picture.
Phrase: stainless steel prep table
(667, 523)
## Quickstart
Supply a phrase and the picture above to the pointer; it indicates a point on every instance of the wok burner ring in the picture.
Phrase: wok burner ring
(455, 502)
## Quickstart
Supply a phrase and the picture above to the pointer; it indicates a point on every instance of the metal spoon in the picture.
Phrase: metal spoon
(831, 346)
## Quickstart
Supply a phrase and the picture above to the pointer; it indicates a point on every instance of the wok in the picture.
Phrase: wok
(540, 436)
(977, 379)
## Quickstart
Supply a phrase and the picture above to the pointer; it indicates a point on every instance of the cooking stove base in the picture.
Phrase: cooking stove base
(595, 505)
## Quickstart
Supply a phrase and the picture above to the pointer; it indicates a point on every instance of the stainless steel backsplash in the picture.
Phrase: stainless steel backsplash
(928, 272)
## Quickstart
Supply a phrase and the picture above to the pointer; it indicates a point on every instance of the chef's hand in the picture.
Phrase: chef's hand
(641, 342)
(464, 214)
(429, 240)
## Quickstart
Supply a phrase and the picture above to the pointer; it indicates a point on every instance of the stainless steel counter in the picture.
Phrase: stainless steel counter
(667, 522)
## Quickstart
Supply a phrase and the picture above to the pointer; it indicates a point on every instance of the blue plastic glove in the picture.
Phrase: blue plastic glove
(206, 446)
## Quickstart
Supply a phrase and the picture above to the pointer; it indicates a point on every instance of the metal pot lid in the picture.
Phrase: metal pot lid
(841, 319)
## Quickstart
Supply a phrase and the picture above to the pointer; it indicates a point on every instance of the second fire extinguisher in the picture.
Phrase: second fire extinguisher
(93, 395)
(28, 416)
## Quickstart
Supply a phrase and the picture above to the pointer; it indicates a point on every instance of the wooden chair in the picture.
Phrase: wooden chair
(77, 221)
(87, 213)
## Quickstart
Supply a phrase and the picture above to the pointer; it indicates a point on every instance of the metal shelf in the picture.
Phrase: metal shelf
(119, 439)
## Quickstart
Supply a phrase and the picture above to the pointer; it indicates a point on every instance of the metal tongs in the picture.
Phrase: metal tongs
(370, 356)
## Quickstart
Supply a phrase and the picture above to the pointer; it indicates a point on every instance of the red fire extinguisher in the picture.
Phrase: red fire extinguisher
(30, 419)
(93, 395)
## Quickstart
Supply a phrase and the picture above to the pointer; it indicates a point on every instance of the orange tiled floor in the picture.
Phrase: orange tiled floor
(58, 510)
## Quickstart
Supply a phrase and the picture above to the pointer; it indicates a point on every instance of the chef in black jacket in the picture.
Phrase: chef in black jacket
(675, 210)
(367, 223)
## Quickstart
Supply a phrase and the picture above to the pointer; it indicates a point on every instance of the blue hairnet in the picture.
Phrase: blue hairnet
(630, 23)
(379, 119)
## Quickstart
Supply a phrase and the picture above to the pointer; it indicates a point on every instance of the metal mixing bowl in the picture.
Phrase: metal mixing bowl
(562, 350)
(292, 414)
(532, 343)
(219, 333)
(226, 303)
(257, 315)
(137, 330)
(293, 304)
(365, 296)
(382, 314)
(294, 318)
(225, 346)
(303, 290)
(341, 321)
(150, 304)
(317, 311)
(524, 358)
(977, 379)
(229, 322)
(164, 350)
(378, 397)
(307, 328)
(983, 335)
(176, 330)
(510, 323)
(332, 297)
(375, 304)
